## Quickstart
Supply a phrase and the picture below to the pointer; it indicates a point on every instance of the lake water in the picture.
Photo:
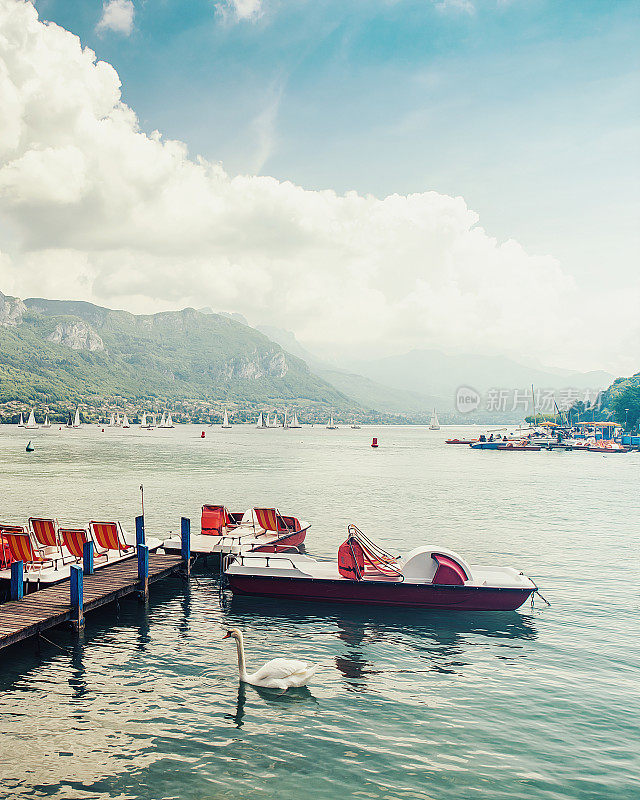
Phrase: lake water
(406, 704)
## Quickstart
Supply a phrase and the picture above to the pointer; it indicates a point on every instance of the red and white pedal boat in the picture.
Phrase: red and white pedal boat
(427, 577)
(257, 530)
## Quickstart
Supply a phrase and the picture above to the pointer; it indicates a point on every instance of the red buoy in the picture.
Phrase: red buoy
(374, 443)
(202, 435)
(103, 430)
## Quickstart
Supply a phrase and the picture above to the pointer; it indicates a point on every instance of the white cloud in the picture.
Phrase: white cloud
(98, 210)
(117, 15)
(239, 9)
(460, 6)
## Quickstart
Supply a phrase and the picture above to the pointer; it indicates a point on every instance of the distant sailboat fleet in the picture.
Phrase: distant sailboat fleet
(74, 420)
(148, 421)
(266, 421)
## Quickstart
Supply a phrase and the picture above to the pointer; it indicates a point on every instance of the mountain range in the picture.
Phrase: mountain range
(58, 350)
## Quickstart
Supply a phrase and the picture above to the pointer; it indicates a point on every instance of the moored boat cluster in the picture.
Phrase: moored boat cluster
(593, 437)
(261, 552)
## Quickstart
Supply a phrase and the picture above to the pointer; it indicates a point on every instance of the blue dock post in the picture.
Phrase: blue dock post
(143, 571)
(139, 530)
(17, 580)
(87, 557)
(77, 612)
(185, 537)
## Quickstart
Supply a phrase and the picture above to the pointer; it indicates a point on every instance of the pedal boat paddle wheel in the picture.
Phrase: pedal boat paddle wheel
(427, 577)
(256, 530)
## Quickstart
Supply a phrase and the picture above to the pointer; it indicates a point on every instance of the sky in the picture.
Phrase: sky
(376, 176)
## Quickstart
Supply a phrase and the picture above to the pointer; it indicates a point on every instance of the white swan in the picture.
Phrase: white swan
(279, 673)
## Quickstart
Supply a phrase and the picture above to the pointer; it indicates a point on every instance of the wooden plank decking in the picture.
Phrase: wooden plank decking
(47, 608)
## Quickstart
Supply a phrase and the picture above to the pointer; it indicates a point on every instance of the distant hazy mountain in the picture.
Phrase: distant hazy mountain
(370, 394)
(288, 341)
(54, 349)
(433, 373)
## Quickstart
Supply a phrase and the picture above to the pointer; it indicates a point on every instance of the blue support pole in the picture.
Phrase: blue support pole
(143, 562)
(139, 530)
(185, 538)
(87, 557)
(143, 570)
(17, 580)
(77, 610)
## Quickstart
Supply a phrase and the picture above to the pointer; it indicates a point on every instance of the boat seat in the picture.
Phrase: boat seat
(271, 520)
(213, 520)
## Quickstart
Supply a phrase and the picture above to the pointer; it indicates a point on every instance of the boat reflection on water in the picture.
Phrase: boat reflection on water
(443, 641)
(77, 678)
(186, 608)
(291, 698)
(351, 663)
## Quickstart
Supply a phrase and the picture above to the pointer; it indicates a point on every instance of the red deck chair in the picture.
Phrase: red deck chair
(74, 539)
(108, 536)
(45, 531)
(274, 522)
(6, 559)
(21, 548)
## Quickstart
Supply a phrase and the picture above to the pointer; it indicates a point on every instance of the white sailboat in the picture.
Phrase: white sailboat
(434, 424)
(225, 421)
(76, 419)
(169, 421)
(125, 421)
(46, 423)
(112, 421)
(31, 422)
(143, 420)
(260, 423)
(153, 421)
(118, 421)
(285, 423)
(332, 426)
(163, 421)
(21, 421)
(294, 421)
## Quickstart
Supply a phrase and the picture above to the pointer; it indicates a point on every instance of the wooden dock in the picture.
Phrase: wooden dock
(47, 608)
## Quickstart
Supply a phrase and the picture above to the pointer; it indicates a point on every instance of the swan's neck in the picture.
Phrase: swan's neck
(242, 669)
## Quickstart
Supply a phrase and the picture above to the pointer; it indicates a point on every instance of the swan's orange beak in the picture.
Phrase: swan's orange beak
(227, 635)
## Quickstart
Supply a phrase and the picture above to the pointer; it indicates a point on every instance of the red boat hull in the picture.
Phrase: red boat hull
(386, 593)
(605, 450)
